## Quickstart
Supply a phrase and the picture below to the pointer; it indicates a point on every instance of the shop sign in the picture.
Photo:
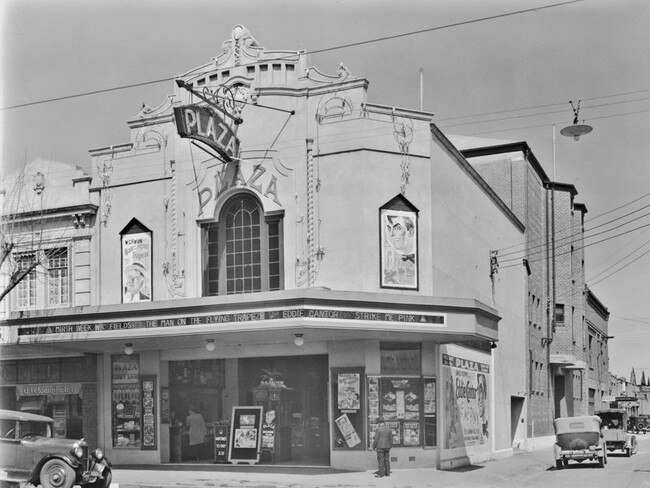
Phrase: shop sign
(205, 125)
(434, 319)
(48, 389)
(626, 399)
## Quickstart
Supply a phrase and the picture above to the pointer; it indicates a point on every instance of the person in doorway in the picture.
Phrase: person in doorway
(382, 443)
(196, 426)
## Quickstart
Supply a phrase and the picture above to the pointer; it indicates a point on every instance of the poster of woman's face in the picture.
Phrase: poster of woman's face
(399, 253)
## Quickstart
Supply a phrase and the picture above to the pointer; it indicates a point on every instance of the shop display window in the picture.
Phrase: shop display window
(126, 402)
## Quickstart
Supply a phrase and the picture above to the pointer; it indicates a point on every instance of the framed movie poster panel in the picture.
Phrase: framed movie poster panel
(245, 435)
(399, 249)
(136, 263)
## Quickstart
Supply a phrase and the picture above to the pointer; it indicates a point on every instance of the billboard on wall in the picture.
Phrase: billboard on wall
(466, 403)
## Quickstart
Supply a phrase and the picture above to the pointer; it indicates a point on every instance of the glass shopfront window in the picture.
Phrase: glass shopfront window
(127, 431)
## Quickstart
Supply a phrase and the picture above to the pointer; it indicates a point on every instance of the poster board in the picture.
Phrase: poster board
(400, 401)
(430, 412)
(148, 422)
(347, 402)
(245, 435)
(126, 401)
(399, 245)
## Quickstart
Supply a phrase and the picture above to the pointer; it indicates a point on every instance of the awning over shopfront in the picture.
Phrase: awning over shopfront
(260, 318)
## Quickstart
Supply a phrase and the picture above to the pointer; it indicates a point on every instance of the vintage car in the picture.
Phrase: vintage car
(30, 454)
(578, 439)
(638, 424)
(614, 425)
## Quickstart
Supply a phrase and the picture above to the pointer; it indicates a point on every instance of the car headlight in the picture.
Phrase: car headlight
(77, 450)
(98, 454)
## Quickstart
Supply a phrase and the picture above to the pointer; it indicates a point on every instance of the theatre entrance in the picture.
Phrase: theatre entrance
(293, 390)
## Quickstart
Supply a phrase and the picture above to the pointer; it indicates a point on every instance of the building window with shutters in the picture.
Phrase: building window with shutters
(242, 250)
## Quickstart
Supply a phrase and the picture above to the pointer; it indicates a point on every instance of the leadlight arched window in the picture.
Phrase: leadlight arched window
(243, 250)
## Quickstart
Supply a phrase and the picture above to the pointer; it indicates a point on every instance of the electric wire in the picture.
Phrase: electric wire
(580, 235)
(595, 277)
(582, 247)
(539, 113)
(540, 106)
(561, 231)
(316, 51)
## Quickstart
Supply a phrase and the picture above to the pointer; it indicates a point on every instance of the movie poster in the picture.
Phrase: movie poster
(349, 391)
(136, 267)
(399, 253)
(465, 402)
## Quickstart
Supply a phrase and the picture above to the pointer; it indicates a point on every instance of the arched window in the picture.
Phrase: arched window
(242, 251)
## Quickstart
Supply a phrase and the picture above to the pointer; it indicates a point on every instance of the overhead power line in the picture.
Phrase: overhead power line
(580, 236)
(316, 51)
(583, 247)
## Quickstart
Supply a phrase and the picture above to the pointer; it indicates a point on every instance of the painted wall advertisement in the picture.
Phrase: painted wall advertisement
(466, 402)
(136, 267)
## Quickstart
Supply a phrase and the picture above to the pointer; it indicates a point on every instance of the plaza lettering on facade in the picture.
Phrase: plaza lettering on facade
(231, 176)
(205, 125)
(465, 364)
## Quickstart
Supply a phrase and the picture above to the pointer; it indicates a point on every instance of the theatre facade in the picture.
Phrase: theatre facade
(289, 260)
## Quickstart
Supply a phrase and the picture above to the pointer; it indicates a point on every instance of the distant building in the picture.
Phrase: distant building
(557, 320)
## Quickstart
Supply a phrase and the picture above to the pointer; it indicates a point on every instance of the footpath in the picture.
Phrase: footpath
(516, 471)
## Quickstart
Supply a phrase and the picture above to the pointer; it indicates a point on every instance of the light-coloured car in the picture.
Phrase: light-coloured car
(578, 439)
(614, 423)
(30, 454)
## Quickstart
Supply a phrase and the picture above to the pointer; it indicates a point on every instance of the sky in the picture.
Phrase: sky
(498, 69)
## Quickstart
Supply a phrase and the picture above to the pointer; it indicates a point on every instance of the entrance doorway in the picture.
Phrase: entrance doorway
(298, 395)
(516, 408)
(197, 385)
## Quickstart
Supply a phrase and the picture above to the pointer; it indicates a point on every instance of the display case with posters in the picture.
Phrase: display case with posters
(399, 401)
(126, 402)
(347, 411)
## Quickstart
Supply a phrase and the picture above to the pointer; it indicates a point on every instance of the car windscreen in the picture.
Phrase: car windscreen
(7, 428)
(31, 428)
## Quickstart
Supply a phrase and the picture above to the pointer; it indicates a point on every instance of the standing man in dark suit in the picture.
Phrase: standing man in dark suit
(382, 443)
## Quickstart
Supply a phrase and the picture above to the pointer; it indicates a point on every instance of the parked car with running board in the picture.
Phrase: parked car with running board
(30, 454)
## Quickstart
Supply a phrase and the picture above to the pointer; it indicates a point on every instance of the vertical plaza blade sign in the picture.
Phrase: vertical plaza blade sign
(207, 126)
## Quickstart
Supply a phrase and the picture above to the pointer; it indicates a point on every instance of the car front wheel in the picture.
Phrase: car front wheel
(57, 474)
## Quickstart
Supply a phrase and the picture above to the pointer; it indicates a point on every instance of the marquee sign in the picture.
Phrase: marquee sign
(205, 125)
(431, 319)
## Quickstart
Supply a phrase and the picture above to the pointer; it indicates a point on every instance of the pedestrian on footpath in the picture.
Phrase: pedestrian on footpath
(382, 443)
(196, 425)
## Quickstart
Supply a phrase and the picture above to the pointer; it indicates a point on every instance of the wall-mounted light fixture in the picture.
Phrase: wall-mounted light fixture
(493, 345)
(128, 348)
(298, 340)
(209, 344)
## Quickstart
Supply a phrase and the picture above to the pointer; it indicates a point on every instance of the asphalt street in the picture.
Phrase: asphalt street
(534, 469)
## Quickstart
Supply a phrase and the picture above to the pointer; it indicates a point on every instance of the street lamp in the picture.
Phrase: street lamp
(576, 130)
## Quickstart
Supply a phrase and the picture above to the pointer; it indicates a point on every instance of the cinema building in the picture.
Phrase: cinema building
(289, 259)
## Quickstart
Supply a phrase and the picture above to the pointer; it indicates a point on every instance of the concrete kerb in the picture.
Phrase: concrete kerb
(520, 466)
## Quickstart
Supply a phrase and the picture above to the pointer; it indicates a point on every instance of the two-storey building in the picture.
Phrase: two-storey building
(287, 258)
